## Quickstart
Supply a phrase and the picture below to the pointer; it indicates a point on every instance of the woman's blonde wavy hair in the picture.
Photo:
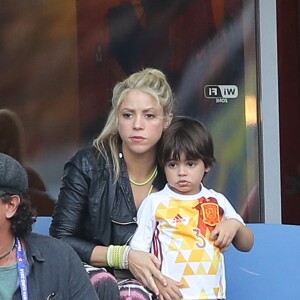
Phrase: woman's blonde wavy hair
(151, 81)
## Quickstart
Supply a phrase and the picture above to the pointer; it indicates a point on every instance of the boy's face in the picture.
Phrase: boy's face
(184, 176)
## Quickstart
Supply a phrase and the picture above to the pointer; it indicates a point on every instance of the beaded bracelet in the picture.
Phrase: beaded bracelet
(117, 256)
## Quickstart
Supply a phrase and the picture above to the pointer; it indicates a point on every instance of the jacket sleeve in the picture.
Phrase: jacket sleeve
(71, 211)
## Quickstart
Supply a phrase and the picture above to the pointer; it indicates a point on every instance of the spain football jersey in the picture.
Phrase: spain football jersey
(176, 228)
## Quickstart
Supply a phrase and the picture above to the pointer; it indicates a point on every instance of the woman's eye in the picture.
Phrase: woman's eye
(150, 116)
(191, 164)
(127, 115)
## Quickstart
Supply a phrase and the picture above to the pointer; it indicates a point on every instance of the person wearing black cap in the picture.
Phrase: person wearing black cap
(33, 266)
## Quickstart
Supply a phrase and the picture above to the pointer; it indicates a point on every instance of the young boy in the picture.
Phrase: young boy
(187, 225)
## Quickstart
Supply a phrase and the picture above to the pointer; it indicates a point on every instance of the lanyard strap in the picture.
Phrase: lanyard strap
(21, 262)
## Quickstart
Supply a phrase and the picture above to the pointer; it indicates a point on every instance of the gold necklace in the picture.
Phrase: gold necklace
(146, 181)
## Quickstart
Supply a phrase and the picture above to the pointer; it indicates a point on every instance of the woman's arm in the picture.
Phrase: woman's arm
(145, 267)
(98, 257)
(72, 208)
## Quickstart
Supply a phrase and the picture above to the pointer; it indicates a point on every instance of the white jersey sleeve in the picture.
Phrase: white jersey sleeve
(142, 238)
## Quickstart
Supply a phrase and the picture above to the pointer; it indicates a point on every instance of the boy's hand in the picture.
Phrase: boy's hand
(170, 291)
(224, 233)
(232, 231)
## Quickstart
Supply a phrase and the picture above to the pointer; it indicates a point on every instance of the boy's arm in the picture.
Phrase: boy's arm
(232, 231)
(244, 238)
(145, 266)
(146, 223)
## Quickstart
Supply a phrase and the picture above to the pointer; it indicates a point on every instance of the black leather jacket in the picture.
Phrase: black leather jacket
(93, 210)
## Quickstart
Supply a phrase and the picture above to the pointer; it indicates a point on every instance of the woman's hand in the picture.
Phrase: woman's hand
(145, 267)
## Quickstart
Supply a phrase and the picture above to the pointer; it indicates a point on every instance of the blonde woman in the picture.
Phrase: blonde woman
(104, 185)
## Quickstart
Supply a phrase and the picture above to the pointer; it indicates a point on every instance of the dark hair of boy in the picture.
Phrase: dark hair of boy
(189, 137)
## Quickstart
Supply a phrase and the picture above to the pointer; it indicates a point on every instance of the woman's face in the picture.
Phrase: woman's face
(140, 122)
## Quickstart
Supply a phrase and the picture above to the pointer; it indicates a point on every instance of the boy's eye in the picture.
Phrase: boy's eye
(191, 164)
(172, 165)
